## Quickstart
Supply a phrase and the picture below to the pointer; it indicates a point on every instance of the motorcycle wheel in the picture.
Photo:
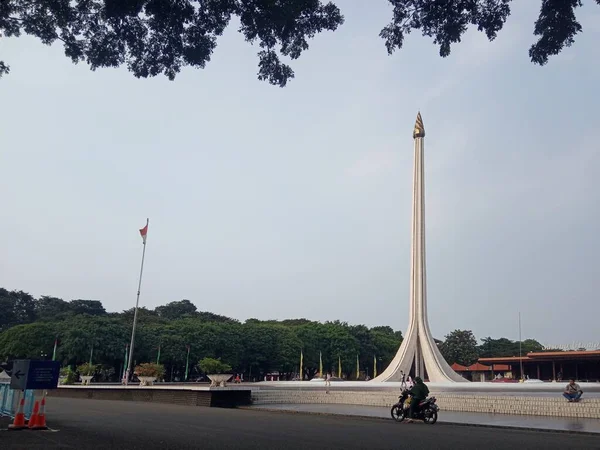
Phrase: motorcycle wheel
(430, 416)
(397, 413)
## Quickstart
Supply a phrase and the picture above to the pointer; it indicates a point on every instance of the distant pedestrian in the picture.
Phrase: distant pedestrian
(327, 382)
(572, 392)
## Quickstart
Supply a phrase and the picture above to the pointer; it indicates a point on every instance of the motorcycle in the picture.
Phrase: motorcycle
(427, 410)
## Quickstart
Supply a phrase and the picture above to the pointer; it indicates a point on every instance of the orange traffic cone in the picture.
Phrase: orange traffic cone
(19, 422)
(34, 415)
(41, 417)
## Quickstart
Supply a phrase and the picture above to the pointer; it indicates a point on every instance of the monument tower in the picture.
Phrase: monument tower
(418, 355)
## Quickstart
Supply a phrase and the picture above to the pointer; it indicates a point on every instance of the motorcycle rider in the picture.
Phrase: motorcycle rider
(419, 392)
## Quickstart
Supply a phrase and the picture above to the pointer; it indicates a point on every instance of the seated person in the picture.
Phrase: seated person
(572, 391)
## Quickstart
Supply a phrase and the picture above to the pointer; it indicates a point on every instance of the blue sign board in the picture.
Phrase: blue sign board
(33, 374)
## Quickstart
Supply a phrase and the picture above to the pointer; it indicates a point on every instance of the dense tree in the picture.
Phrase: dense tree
(531, 345)
(144, 315)
(176, 310)
(27, 341)
(286, 350)
(206, 316)
(460, 346)
(91, 307)
(505, 347)
(255, 348)
(51, 308)
(152, 37)
(386, 342)
(446, 22)
(497, 347)
(260, 348)
(16, 307)
(101, 338)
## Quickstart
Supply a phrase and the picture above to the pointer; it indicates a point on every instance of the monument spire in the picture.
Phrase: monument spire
(418, 355)
(419, 130)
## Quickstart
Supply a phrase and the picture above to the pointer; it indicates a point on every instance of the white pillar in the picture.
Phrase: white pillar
(418, 346)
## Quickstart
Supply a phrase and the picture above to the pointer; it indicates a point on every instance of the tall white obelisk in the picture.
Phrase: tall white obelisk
(418, 355)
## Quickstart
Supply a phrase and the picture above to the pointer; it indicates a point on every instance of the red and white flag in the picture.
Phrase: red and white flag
(144, 231)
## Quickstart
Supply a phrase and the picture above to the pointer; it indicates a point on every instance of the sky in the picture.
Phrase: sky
(275, 203)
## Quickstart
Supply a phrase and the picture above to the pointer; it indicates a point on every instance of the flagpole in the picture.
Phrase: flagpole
(137, 302)
(54, 352)
(187, 363)
(520, 354)
(125, 361)
(320, 365)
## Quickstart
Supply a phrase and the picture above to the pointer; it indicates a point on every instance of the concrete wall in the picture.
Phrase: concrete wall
(536, 406)
(225, 398)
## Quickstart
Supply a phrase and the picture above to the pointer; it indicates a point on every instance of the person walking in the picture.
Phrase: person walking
(327, 382)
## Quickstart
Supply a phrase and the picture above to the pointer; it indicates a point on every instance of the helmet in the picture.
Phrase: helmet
(418, 380)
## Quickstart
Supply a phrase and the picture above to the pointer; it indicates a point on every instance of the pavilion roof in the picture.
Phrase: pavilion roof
(544, 356)
(477, 367)
(459, 367)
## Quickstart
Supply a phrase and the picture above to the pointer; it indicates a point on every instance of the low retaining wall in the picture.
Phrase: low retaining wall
(220, 398)
(535, 406)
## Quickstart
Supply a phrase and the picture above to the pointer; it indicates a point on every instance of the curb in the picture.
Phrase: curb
(440, 422)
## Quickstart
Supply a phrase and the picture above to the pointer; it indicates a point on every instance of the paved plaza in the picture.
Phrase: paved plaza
(566, 424)
(97, 424)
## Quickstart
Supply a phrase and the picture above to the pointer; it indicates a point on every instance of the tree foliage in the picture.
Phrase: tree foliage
(254, 348)
(152, 37)
(176, 310)
(48, 308)
(446, 22)
(91, 307)
(460, 346)
(17, 307)
(505, 347)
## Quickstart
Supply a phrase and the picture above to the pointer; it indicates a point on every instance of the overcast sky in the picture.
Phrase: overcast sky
(284, 203)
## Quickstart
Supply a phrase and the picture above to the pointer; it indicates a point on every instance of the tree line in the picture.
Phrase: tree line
(460, 346)
(84, 331)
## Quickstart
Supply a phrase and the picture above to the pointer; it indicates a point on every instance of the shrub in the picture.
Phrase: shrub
(150, 370)
(87, 369)
(213, 366)
(67, 376)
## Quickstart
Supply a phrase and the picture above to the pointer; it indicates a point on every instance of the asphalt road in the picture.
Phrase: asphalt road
(100, 424)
